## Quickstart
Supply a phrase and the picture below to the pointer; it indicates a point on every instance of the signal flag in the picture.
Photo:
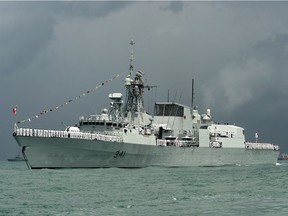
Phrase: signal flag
(14, 110)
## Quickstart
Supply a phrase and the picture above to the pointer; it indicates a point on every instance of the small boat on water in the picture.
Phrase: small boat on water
(283, 156)
(17, 158)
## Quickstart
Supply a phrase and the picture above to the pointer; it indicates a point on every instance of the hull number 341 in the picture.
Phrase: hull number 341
(119, 154)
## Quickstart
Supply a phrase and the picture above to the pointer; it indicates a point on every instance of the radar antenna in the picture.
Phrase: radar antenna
(116, 107)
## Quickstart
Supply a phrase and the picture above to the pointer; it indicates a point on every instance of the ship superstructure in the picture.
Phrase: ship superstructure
(127, 136)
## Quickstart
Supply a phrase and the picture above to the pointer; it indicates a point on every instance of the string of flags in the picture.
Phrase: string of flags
(14, 110)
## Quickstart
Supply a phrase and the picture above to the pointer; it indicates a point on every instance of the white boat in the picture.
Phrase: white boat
(127, 136)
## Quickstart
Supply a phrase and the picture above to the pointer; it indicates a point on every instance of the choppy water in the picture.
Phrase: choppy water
(228, 190)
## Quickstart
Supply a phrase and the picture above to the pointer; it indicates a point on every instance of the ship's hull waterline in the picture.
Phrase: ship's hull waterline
(47, 152)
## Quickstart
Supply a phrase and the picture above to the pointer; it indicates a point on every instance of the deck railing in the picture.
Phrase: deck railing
(177, 143)
(249, 145)
(115, 138)
(65, 134)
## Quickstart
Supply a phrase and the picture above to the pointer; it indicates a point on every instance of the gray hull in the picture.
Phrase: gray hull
(47, 152)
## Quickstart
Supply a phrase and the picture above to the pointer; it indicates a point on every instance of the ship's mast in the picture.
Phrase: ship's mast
(131, 59)
(192, 94)
(134, 92)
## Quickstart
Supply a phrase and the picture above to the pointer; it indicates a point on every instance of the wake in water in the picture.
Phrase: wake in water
(282, 164)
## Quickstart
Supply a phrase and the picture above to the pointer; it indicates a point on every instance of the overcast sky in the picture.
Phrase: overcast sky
(237, 52)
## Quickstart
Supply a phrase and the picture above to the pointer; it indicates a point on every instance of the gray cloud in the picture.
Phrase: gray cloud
(89, 9)
(258, 72)
(174, 6)
(27, 27)
(22, 40)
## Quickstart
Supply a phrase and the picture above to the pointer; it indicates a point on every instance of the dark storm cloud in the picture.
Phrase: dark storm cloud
(21, 41)
(256, 74)
(27, 27)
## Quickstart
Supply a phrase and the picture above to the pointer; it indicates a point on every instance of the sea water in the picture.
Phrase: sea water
(228, 190)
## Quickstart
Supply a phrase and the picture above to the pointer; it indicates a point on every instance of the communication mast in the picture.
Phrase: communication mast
(134, 89)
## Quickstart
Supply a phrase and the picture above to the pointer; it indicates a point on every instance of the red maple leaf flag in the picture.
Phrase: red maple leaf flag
(14, 110)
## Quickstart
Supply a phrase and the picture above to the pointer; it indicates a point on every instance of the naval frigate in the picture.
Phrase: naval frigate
(127, 136)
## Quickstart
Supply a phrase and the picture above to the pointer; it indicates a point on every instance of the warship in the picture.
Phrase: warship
(126, 136)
